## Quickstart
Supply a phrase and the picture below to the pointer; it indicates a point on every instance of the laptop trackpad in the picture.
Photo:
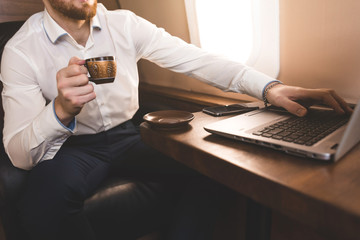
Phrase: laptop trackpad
(260, 118)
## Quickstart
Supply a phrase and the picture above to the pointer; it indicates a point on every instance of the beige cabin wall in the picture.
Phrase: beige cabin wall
(319, 44)
(169, 15)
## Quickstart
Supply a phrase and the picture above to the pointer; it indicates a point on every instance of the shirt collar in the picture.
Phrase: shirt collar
(54, 31)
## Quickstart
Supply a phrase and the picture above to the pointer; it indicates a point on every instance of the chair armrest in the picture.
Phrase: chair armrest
(12, 179)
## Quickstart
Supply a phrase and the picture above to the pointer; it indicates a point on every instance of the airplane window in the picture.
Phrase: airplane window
(244, 30)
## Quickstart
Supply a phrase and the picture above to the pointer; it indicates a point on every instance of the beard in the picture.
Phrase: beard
(86, 12)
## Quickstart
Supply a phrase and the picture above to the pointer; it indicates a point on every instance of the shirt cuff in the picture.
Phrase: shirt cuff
(263, 91)
(72, 124)
(254, 83)
(47, 130)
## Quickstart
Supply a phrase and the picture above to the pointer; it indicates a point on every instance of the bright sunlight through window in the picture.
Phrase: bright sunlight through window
(244, 30)
(229, 24)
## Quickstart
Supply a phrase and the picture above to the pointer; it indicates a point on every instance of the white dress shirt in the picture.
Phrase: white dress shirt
(31, 59)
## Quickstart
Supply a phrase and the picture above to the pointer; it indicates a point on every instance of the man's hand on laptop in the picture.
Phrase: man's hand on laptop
(297, 99)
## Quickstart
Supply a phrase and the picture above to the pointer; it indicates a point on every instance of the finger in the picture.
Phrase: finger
(78, 80)
(71, 93)
(83, 99)
(324, 96)
(73, 70)
(330, 100)
(294, 107)
(344, 105)
(76, 61)
(86, 90)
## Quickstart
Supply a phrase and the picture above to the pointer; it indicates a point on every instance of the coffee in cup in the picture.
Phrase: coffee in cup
(101, 69)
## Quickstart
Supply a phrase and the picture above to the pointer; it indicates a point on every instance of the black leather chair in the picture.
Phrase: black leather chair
(124, 207)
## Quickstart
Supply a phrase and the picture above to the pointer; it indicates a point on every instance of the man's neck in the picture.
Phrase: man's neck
(78, 29)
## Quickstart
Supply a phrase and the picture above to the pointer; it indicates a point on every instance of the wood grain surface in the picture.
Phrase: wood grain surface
(321, 195)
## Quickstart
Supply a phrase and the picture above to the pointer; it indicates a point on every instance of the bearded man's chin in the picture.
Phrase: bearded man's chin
(69, 10)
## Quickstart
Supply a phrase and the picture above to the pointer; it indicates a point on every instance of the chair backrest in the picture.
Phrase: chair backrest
(11, 179)
(7, 30)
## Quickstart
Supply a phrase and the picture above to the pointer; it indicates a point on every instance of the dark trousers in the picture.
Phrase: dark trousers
(51, 206)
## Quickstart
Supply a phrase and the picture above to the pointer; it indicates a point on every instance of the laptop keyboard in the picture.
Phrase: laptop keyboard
(306, 130)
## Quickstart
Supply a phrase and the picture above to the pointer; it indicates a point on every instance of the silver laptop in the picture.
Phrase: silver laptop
(320, 135)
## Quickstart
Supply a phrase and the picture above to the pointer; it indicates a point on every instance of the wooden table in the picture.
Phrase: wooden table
(323, 196)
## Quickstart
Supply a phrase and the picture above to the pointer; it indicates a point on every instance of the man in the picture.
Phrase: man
(50, 105)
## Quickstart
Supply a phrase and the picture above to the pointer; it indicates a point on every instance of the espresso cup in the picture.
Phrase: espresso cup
(101, 69)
